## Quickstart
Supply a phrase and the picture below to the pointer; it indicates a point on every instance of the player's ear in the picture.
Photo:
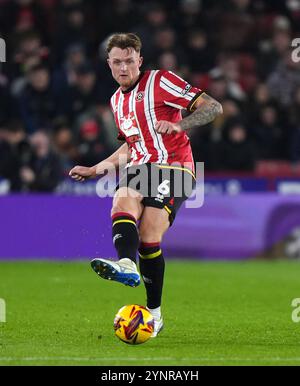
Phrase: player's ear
(141, 59)
(108, 62)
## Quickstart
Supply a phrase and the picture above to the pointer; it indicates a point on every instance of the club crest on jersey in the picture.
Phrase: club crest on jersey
(140, 96)
(186, 89)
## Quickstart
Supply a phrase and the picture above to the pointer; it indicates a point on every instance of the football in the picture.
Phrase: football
(133, 324)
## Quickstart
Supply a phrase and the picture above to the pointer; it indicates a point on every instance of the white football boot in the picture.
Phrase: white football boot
(158, 323)
(158, 326)
(124, 271)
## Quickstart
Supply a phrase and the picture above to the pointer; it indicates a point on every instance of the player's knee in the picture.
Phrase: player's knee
(117, 208)
(121, 205)
(150, 238)
(149, 233)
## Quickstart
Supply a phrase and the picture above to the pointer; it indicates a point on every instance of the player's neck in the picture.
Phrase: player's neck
(133, 83)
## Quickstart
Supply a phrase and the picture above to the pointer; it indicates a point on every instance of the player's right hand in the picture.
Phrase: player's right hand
(81, 173)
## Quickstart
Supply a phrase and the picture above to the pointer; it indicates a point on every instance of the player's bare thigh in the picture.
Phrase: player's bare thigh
(129, 201)
(154, 223)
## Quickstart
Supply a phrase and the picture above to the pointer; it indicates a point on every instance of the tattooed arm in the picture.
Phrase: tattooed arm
(207, 108)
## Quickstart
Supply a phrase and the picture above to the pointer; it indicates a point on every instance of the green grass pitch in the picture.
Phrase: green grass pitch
(215, 314)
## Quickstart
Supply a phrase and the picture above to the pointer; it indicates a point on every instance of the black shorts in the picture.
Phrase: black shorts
(162, 186)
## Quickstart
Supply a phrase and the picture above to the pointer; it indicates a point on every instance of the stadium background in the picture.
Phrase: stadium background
(54, 92)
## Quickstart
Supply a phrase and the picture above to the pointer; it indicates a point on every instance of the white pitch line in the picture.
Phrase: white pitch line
(76, 359)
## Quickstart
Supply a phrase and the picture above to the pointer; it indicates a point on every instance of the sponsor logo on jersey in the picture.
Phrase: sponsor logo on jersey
(129, 128)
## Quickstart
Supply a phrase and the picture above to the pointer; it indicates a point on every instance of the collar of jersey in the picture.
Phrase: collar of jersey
(134, 85)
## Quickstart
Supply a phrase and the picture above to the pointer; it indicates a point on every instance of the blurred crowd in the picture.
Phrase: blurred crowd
(55, 86)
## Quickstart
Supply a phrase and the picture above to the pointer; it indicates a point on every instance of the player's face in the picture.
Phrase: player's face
(125, 66)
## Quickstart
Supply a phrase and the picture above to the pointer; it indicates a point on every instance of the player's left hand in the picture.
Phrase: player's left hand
(165, 127)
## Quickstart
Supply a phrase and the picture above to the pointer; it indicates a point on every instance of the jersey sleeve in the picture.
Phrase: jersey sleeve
(178, 93)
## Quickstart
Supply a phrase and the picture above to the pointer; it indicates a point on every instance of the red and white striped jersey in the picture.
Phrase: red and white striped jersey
(157, 95)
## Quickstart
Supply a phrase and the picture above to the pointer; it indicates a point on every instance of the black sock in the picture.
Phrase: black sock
(152, 267)
(125, 235)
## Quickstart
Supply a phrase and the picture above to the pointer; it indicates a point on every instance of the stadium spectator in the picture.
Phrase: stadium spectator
(22, 16)
(273, 50)
(270, 136)
(189, 16)
(37, 102)
(229, 67)
(165, 40)
(154, 18)
(45, 171)
(65, 75)
(5, 101)
(91, 140)
(237, 150)
(169, 61)
(29, 52)
(72, 29)
(94, 134)
(16, 155)
(65, 145)
(217, 84)
(235, 26)
(198, 47)
(83, 95)
(111, 15)
(284, 81)
(208, 144)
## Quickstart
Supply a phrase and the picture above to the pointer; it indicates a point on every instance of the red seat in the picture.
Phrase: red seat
(274, 168)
